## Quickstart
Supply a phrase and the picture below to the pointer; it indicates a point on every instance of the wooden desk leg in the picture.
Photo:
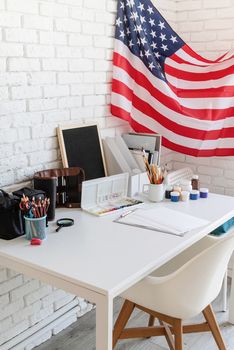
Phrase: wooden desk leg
(231, 302)
(104, 323)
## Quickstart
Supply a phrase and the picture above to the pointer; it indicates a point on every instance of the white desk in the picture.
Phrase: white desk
(98, 259)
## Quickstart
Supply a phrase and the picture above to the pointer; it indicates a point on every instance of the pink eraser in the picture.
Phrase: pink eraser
(36, 241)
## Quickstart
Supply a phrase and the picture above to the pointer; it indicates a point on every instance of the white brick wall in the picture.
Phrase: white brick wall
(53, 61)
(55, 67)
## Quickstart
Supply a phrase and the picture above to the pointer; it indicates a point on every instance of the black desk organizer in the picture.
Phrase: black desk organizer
(62, 186)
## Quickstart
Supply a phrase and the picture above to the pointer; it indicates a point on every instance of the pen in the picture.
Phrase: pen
(126, 213)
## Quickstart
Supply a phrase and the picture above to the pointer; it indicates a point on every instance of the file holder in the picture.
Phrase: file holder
(105, 195)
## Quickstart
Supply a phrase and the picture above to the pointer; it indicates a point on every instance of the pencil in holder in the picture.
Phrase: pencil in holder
(35, 227)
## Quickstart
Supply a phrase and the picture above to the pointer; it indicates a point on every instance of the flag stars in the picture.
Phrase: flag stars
(147, 53)
(151, 66)
(141, 7)
(141, 54)
(139, 28)
(128, 31)
(151, 21)
(122, 34)
(157, 55)
(143, 41)
(153, 34)
(154, 45)
(134, 15)
(130, 3)
(122, 5)
(173, 39)
(163, 37)
(118, 22)
(131, 44)
(142, 19)
(150, 10)
(161, 25)
(125, 19)
(164, 47)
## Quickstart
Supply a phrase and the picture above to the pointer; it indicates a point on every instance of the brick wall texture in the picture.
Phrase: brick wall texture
(55, 68)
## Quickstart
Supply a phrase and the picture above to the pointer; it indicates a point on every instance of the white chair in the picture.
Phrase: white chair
(180, 289)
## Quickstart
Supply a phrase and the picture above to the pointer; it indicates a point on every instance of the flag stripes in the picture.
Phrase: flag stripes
(161, 85)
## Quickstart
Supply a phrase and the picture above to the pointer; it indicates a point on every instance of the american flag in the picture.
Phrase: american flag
(160, 85)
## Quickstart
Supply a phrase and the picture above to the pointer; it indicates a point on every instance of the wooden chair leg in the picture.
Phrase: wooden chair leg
(151, 321)
(168, 335)
(177, 326)
(214, 327)
(122, 320)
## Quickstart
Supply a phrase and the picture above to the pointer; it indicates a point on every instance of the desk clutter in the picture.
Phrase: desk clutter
(186, 189)
(105, 195)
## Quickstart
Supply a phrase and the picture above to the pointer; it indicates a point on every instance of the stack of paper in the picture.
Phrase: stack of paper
(163, 220)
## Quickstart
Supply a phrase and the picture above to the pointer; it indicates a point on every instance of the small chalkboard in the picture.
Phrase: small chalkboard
(81, 147)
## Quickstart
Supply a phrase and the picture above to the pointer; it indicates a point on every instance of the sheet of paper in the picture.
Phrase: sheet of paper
(163, 219)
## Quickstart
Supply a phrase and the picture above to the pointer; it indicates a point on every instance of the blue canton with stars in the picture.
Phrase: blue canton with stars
(145, 32)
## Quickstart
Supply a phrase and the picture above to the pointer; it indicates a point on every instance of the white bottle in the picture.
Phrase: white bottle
(186, 185)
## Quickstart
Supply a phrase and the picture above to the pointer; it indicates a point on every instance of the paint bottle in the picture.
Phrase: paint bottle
(195, 182)
(168, 191)
(175, 196)
(204, 192)
(194, 195)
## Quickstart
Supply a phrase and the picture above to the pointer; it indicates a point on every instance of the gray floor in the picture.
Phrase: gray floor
(81, 335)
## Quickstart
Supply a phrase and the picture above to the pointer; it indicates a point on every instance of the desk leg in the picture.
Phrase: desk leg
(231, 302)
(104, 323)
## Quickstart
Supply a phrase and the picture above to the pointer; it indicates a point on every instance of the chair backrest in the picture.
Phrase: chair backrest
(197, 283)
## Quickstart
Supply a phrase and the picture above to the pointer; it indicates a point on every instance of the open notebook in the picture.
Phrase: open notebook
(162, 219)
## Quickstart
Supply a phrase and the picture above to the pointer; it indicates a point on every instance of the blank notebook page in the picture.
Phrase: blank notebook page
(163, 219)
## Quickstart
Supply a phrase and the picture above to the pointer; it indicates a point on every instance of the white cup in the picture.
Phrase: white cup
(155, 192)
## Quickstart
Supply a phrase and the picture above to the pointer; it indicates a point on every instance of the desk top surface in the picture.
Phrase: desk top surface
(107, 257)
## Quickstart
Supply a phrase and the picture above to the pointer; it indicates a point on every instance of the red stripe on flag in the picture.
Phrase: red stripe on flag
(224, 91)
(190, 76)
(193, 54)
(197, 153)
(178, 59)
